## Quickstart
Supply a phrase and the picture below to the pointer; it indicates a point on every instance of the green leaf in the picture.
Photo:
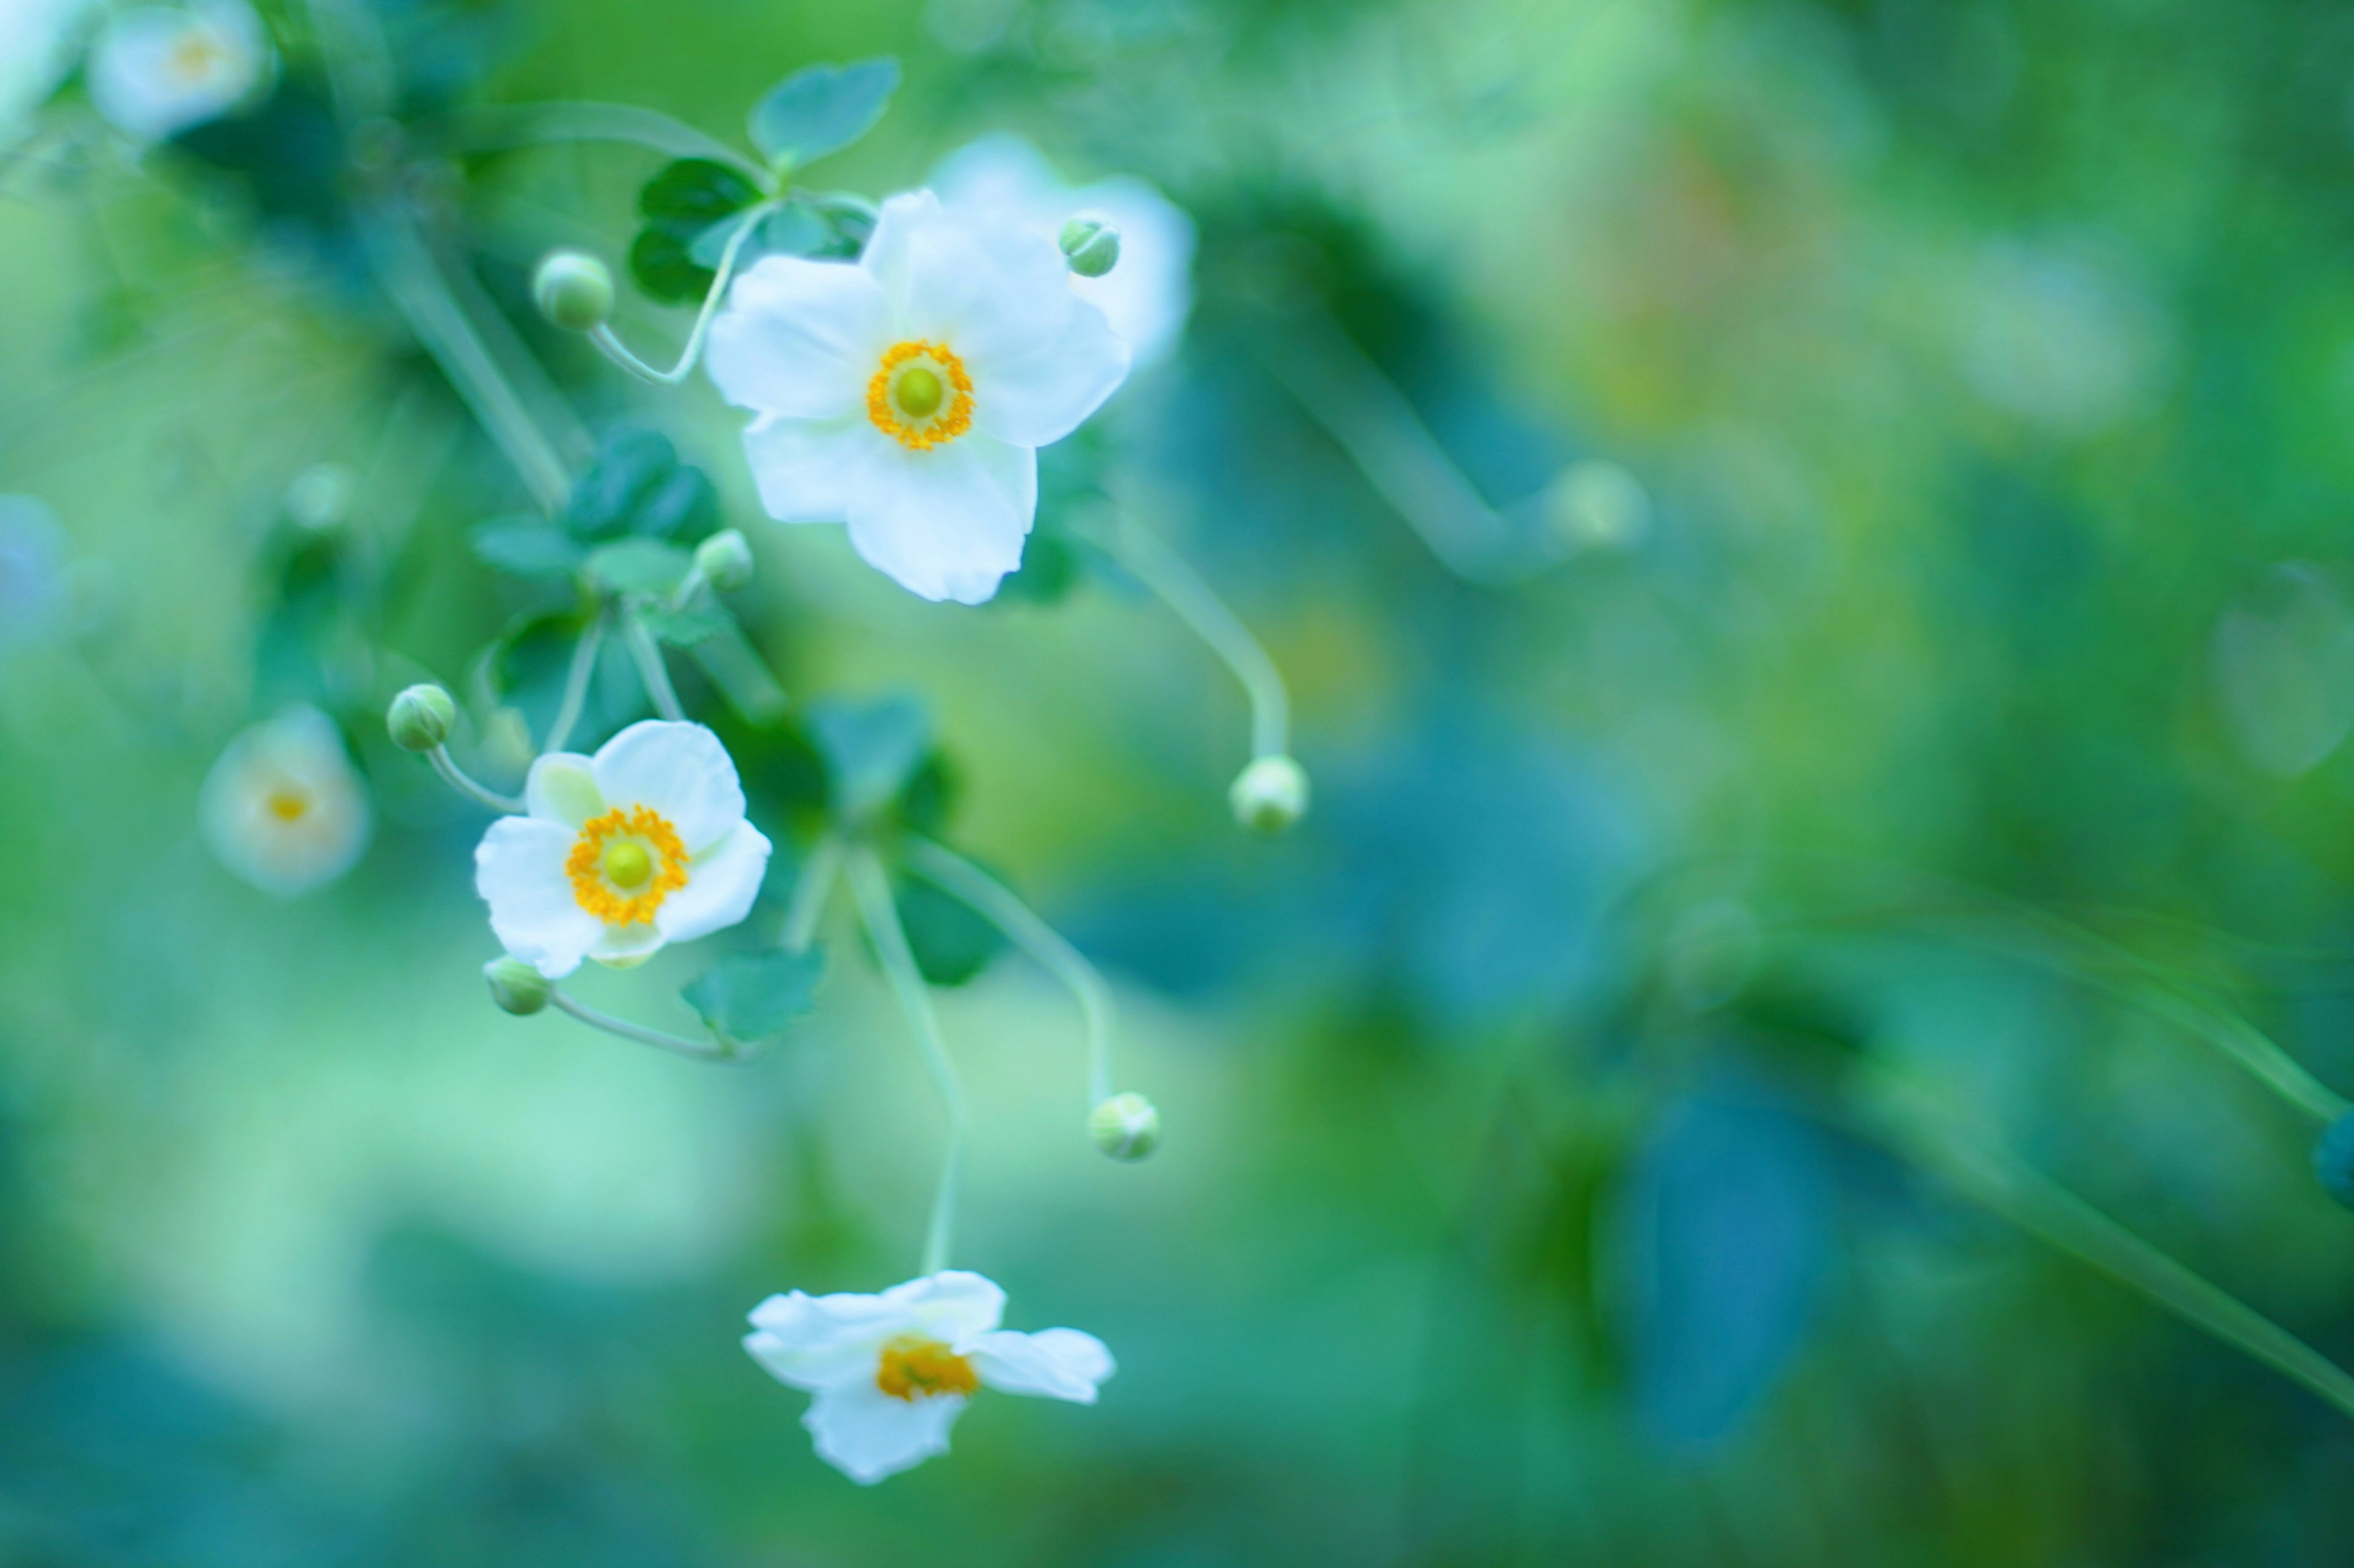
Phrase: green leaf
(822, 110)
(872, 750)
(645, 567)
(795, 228)
(685, 628)
(628, 469)
(526, 547)
(664, 271)
(752, 996)
(693, 193)
(951, 943)
(683, 506)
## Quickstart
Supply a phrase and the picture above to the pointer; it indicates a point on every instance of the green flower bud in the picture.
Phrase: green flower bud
(1270, 794)
(516, 987)
(574, 291)
(420, 718)
(1125, 1126)
(2333, 1160)
(1092, 247)
(725, 560)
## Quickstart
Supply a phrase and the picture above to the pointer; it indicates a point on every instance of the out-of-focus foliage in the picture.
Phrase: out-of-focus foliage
(1986, 368)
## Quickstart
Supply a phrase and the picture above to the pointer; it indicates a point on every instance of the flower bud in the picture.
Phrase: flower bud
(725, 560)
(574, 291)
(2333, 1160)
(516, 987)
(1270, 794)
(1092, 247)
(1125, 1126)
(420, 718)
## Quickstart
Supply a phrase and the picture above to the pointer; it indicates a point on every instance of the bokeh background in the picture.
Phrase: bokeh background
(1972, 379)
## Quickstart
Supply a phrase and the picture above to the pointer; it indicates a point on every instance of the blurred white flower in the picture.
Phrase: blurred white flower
(2064, 336)
(892, 1372)
(642, 844)
(34, 34)
(283, 808)
(158, 69)
(907, 395)
(1148, 296)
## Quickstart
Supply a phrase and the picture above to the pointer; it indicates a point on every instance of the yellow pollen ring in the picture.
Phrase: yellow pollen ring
(915, 1368)
(625, 864)
(921, 396)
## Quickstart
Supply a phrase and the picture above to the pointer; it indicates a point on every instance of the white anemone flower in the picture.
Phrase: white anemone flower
(33, 55)
(159, 69)
(283, 808)
(1149, 295)
(642, 844)
(906, 393)
(891, 1373)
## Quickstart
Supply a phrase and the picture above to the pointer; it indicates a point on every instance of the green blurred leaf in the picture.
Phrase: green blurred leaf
(527, 547)
(753, 996)
(795, 228)
(683, 505)
(665, 270)
(693, 193)
(630, 465)
(951, 943)
(645, 567)
(822, 110)
(685, 628)
(872, 750)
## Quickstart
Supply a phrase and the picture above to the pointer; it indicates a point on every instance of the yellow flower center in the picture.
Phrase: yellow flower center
(915, 1368)
(921, 396)
(625, 864)
(287, 805)
(197, 56)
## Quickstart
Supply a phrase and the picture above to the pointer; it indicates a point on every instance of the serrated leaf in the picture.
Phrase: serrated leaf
(752, 996)
(871, 749)
(645, 567)
(822, 110)
(685, 628)
(951, 943)
(528, 548)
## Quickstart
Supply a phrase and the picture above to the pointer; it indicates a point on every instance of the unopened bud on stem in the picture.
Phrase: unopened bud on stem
(1125, 1126)
(516, 987)
(420, 718)
(725, 560)
(574, 291)
(1270, 794)
(1092, 247)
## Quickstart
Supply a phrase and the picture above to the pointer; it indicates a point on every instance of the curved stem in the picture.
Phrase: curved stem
(871, 885)
(997, 903)
(818, 874)
(459, 780)
(610, 344)
(526, 124)
(1160, 570)
(701, 1049)
(650, 668)
(576, 683)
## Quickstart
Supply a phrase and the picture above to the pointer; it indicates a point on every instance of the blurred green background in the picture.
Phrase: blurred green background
(1984, 367)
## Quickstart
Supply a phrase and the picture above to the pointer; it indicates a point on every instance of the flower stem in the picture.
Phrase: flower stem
(610, 344)
(1908, 1122)
(817, 878)
(1160, 570)
(576, 683)
(650, 668)
(996, 903)
(871, 885)
(701, 1049)
(526, 124)
(459, 780)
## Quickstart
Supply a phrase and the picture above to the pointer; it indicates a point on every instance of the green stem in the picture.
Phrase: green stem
(997, 903)
(576, 683)
(701, 1049)
(610, 346)
(817, 879)
(458, 778)
(650, 668)
(526, 124)
(871, 885)
(1160, 570)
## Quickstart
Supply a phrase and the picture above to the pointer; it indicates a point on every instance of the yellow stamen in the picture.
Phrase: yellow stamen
(915, 1368)
(287, 806)
(921, 396)
(625, 864)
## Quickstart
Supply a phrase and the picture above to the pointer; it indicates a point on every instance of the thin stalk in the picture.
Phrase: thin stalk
(610, 344)
(1909, 1123)
(1160, 570)
(576, 683)
(997, 903)
(459, 780)
(701, 1049)
(871, 885)
(817, 878)
(650, 668)
(528, 125)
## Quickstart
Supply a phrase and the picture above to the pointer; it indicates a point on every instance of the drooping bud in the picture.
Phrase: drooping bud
(1092, 247)
(725, 560)
(574, 291)
(516, 987)
(2333, 1160)
(1270, 794)
(421, 718)
(1125, 1126)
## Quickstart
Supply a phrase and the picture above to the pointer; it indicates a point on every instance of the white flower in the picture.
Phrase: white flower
(1148, 296)
(892, 1372)
(906, 393)
(642, 844)
(33, 56)
(283, 808)
(158, 69)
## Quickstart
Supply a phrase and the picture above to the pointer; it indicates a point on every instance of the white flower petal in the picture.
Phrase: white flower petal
(159, 69)
(1054, 1363)
(721, 884)
(678, 770)
(1035, 392)
(867, 1435)
(808, 470)
(886, 259)
(948, 524)
(799, 337)
(33, 35)
(812, 1340)
(562, 788)
(953, 1305)
(627, 947)
(519, 871)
